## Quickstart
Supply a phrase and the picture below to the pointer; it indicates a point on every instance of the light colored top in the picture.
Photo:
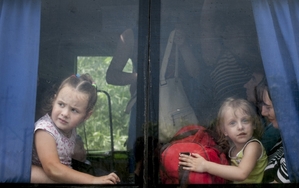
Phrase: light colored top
(256, 175)
(65, 146)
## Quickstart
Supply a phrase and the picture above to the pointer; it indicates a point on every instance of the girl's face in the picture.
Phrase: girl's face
(69, 109)
(238, 126)
(268, 110)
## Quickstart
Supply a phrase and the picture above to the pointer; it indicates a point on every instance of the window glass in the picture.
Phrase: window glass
(210, 47)
(212, 50)
(99, 37)
(217, 50)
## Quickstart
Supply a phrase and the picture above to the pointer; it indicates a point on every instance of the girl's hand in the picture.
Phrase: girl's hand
(195, 162)
(111, 178)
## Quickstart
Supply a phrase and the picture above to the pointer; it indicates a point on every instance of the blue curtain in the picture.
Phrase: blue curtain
(277, 23)
(19, 48)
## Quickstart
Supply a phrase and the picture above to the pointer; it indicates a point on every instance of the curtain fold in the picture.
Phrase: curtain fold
(277, 24)
(19, 49)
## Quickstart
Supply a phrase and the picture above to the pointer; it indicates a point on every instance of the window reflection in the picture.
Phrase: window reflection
(83, 37)
(223, 40)
(215, 45)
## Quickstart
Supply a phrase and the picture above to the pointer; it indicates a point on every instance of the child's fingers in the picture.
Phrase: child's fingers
(183, 157)
(113, 177)
(196, 155)
(183, 163)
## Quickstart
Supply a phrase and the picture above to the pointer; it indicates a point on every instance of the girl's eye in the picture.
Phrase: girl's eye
(75, 110)
(245, 120)
(61, 104)
(232, 123)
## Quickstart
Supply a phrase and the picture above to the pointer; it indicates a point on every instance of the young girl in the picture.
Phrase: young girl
(238, 121)
(55, 134)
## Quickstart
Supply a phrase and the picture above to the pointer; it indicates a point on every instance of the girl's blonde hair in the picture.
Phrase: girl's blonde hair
(236, 104)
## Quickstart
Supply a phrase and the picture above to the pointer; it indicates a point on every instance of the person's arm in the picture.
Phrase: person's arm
(124, 50)
(60, 173)
(38, 175)
(234, 173)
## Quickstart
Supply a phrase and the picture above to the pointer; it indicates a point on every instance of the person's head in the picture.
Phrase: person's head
(238, 120)
(265, 104)
(79, 150)
(73, 102)
(250, 86)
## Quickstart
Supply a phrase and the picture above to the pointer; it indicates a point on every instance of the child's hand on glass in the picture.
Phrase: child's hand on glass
(193, 162)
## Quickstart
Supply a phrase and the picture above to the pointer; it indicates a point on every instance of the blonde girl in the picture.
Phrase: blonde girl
(238, 124)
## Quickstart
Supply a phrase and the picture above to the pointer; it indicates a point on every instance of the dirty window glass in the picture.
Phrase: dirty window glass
(208, 53)
(206, 49)
(97, 37)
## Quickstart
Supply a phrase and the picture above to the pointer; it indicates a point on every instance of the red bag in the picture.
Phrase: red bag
(193, 139)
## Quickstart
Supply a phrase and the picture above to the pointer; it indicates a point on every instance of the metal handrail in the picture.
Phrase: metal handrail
(111, 125)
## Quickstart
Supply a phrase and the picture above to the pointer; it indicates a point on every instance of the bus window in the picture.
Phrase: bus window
(80, 37)
(208, 49)
(213, 52)
(212, 49)
(216, 48)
